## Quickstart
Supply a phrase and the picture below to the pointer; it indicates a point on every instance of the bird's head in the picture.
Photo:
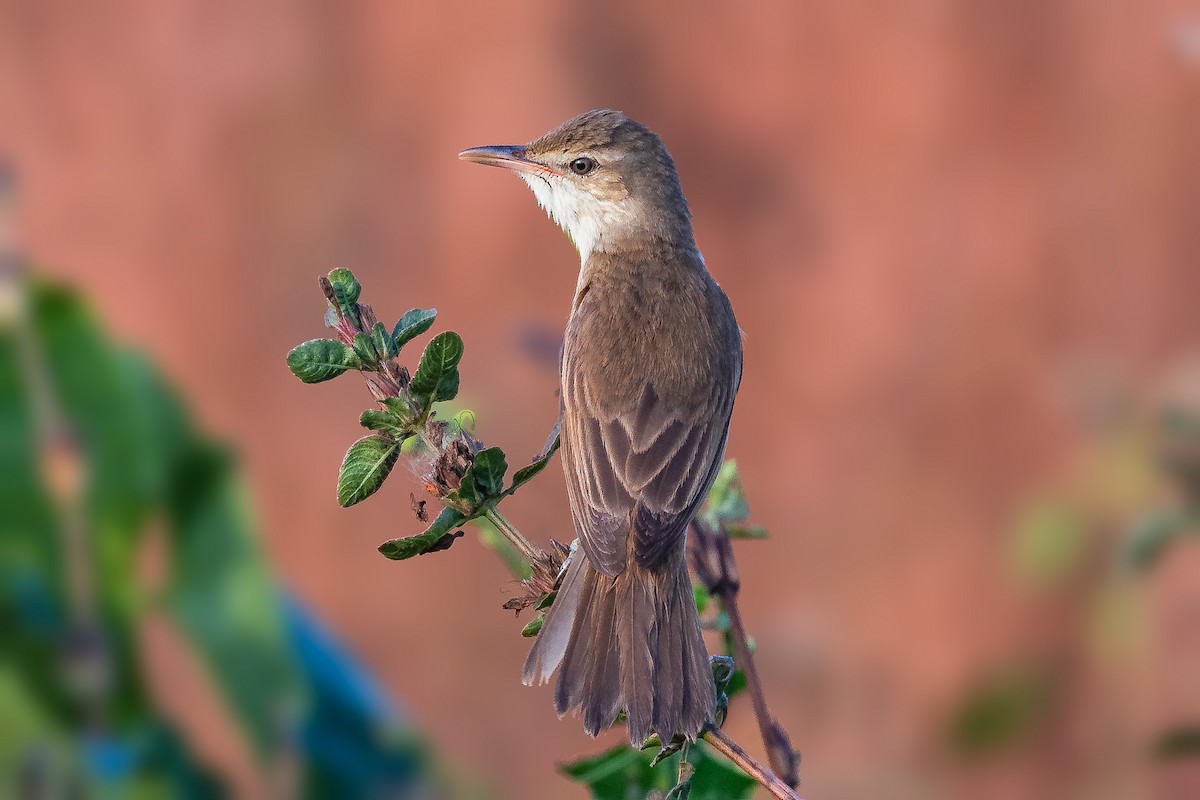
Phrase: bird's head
(606, 179)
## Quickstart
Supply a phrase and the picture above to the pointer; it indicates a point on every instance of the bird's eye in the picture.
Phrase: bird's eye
(582, 166)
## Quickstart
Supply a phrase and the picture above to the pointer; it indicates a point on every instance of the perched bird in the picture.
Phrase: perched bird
(651, 361)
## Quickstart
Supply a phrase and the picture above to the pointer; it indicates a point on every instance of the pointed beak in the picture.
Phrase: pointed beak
(505, 155)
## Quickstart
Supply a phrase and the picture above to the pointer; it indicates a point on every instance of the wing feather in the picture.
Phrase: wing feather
(646, 468)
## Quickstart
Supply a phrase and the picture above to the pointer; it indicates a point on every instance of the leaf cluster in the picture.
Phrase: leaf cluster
(467, 478)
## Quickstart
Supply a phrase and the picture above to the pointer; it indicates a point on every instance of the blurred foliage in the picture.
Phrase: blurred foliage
(77, 709)
(1181, 742)
(1074, 545)
(1002, 711)
(1049, 540)
(623, 772)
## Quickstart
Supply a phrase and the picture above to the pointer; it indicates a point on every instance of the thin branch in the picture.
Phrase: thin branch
(711, 552)
(734, 752)
(510, 532)
(784, 759)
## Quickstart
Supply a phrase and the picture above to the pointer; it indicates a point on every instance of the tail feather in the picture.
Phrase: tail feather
(554, 638)
(636, 635)
(600, 699)
(668, 706)
(632, 642)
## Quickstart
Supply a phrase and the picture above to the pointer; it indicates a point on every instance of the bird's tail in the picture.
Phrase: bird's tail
(632, 642)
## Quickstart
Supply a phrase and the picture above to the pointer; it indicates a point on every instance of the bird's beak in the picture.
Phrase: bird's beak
(510, 156)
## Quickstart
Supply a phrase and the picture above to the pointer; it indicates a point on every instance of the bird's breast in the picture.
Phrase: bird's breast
(636, 330)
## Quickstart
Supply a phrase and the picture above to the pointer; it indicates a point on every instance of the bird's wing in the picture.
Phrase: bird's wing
(649, 464)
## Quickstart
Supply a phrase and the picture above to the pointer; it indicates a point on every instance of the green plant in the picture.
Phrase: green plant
(100, 461)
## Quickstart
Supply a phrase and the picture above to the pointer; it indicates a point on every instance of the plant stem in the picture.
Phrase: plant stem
(509, 531)
(779, 749)
(710, 552)
(734, 752)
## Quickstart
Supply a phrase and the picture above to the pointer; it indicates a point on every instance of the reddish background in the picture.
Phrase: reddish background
(963, 240)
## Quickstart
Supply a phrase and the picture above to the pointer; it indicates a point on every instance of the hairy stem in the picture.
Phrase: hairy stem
(509, 531)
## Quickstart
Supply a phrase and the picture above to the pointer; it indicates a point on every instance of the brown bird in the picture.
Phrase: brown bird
(650, 364)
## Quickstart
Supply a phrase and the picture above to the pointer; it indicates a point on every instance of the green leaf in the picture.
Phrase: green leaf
(375, 420)
(526, 474)
(436, 537)
(623, 772)
(533, 627)
(412, 325)
(320, 360)
(488, 470)
(346, 287)
(468, 493)
(364, 348)
(437, 374)
(399, 408)
(366, 465)
(384, 344)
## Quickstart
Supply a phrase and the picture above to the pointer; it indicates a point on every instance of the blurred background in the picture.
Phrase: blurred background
(963, 240)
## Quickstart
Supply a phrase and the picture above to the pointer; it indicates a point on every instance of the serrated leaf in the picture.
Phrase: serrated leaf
(365, 467)
(345, 287)
(412, 325)
(437, 374)
(527, 473)
(385, 346)
(437, 536)
(320, 360)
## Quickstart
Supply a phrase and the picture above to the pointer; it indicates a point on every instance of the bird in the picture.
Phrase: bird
(650, 365)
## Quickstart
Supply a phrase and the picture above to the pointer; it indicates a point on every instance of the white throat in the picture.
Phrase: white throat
(588, 220)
